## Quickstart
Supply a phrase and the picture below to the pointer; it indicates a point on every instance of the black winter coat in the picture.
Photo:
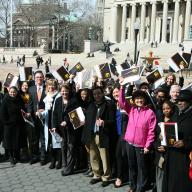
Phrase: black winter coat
(14, 138)
(106, 133)
(177, 170)
(60, 114)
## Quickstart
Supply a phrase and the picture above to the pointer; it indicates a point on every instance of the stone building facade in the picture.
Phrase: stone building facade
(163, 21)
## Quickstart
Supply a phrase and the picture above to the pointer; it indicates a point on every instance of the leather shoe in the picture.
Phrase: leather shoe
(33, 161)
(65, 174)
(12, 161)
(58, 166)
(94, 181)
(105, 183)
(52, 165)
(43, 162)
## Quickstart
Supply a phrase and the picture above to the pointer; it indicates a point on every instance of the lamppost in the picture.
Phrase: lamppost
(136, 29)
(90, 33)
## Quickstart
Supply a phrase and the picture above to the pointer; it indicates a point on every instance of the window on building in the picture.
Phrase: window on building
(126, 33)
(171, 6)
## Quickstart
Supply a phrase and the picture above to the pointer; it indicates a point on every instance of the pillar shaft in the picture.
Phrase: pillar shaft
(143, 15)
(176, 22)
(187, 18)
(113, 30)
(164, 26)
(124, 18)
(133, 18)
(153, 20)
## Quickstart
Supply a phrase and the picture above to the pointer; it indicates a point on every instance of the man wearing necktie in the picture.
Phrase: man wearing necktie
(37, 93)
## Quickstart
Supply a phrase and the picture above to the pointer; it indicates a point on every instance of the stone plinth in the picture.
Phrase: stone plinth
(92, 46)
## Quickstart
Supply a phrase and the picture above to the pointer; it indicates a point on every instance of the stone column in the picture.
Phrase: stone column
(164, 26)
(53, 37)
(176, 22)
(124, 19)
(153, 21)
(143, 15)
(133, 18)
(113, 31)
(187, 18)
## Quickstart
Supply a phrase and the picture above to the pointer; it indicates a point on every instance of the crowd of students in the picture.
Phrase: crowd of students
(120, 138)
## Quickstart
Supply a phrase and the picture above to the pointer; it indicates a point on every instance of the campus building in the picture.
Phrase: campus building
(163, 21)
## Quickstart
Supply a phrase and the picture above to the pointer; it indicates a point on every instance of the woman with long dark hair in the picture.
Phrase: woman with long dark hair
(62, 124)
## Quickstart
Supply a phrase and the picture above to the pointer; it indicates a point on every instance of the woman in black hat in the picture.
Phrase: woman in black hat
(140, 134)
(177, 170)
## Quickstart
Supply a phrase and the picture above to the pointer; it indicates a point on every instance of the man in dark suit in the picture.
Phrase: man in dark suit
(98, 132)
(37, 93)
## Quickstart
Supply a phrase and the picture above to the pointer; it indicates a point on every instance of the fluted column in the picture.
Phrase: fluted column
(124, 18)
(113, 30)
(153, 20)
(164, 26)
(143, 15)
(53, 37)
(133, 18)
(187, 18)
(176, 22)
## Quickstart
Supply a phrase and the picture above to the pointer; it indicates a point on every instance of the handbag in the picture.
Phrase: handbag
(190, 166)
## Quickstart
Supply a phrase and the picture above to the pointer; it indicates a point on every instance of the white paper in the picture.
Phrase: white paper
(158, 83)
(162, 127)
(14, 81)
(22, 74)
(97, 71)
(173, 65)
(56, 140)
(84, 79)
(80, 114)
(132, 78)
(57, 76)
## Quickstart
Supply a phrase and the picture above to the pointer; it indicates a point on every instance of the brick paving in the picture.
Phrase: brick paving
(24, 177)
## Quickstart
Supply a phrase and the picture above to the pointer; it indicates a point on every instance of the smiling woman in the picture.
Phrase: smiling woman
(13, 123)
(140, 134)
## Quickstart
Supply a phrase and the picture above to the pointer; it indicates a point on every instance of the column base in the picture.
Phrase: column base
(163, 42)
(123, 42)
(175, 42)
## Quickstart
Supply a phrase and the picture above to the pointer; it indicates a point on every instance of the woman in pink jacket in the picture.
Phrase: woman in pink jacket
(140, 134)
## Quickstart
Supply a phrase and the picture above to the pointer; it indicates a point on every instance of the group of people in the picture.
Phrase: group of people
(120, 137)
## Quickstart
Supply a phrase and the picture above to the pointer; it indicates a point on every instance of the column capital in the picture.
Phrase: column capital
(142, 3)
(124, 5)
(133, 4)
(176, 1)
(115, 5)
(188, 0)
(153, 2)
(165, 1)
